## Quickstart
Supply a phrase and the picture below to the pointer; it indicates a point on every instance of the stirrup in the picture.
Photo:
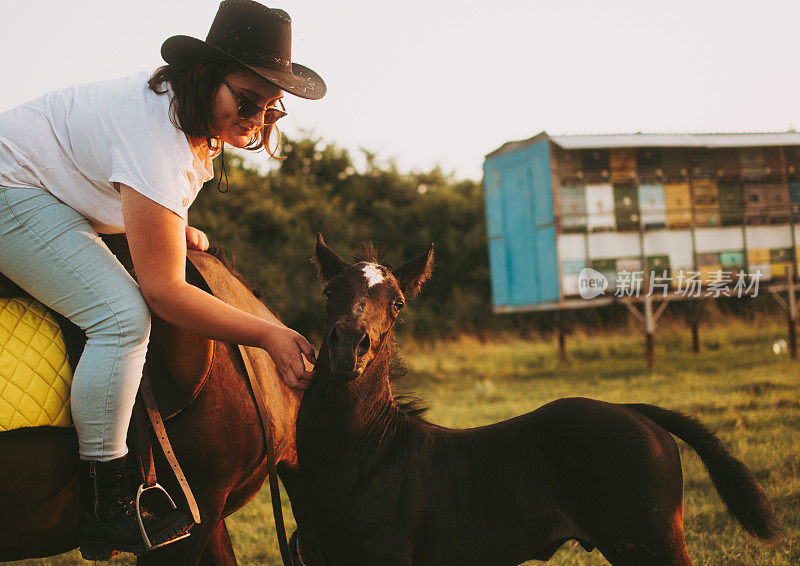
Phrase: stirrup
(148, 545)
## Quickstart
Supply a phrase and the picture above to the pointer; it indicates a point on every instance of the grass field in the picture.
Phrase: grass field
(737, 385)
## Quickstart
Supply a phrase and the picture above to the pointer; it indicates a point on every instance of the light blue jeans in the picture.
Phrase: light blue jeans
(51, 251)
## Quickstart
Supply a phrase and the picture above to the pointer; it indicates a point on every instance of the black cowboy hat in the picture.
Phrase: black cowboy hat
(256, 37)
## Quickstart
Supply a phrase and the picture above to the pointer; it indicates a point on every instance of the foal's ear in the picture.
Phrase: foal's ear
(328, 261)
(410, 276)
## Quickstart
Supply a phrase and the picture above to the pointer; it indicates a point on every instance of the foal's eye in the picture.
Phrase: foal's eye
(399, 305)
(327, 293)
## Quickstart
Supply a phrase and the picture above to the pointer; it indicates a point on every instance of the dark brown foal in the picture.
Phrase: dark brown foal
(379, 485)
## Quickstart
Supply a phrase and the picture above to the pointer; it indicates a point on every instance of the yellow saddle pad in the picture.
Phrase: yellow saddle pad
(35, 375)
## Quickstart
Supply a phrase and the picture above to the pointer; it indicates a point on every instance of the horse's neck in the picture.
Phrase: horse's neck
(337, 415)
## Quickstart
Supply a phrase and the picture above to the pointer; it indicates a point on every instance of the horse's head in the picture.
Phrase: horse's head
(363, 301)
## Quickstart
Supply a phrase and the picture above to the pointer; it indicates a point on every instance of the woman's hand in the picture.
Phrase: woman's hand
(196, 239)
(287, 348)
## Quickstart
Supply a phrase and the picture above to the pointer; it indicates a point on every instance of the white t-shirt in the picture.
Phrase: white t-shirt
(77, 141)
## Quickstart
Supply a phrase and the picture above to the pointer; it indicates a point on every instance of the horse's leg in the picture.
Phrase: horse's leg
(186, 552)
(219, 550)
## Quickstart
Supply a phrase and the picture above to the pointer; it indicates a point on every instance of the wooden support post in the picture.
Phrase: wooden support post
(792, 313)
(790, 307)
(648, 320)
(694, 324)
(649, 329)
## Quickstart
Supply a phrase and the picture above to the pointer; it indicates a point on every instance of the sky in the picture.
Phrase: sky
(444, 82)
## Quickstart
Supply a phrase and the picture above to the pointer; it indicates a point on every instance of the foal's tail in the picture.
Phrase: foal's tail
(735, 483)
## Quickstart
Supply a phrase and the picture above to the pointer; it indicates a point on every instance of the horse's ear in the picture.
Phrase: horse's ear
(412, 275)
(329, 264)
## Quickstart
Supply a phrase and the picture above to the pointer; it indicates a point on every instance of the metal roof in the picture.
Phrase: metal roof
(604, 141)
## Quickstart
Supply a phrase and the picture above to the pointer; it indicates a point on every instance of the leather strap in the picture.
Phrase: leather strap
(147, 467)
(146, 394)
(275, 493)
(263, 413)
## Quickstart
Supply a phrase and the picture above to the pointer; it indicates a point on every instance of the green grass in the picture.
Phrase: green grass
(736, 384)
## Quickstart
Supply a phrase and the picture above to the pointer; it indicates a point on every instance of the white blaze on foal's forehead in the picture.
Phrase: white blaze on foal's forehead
(373, 273)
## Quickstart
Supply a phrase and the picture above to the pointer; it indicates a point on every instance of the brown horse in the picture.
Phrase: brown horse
(380, 485)
(218, 440)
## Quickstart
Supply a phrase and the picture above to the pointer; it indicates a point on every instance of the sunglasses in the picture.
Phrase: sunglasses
(248, 108)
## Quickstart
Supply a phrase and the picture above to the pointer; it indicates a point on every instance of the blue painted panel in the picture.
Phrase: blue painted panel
(520, 224)
(494, 228)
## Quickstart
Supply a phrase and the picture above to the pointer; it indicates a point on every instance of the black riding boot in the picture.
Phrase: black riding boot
(108, 518)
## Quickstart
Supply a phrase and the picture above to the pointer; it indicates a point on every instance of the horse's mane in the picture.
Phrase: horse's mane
(217, 251)
(408, 404)
(368, 251)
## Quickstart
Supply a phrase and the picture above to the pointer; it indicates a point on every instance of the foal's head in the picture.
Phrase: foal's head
(363, 301)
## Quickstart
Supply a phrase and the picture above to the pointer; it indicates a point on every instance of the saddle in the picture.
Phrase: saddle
(41, 348)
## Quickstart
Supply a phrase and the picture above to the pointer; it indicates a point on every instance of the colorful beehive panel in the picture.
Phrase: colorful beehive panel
(658, 266)
(794, 193)
(570, 269)
(569, 164)
(773, 163)
(572, 207)
(756, 203)
(731, 201)
(729, 162)
(648, 165)
(752, 162)
(768, 237)
(703, 164)
(682, 266)
(626, 206)
(709, 266)
(629, 264)
(608, 267)
(732, 261)
(706, 191)
(706, 202)
(623, 165)
(653, 205)
(596, 167)
(600, 207)
(780, 259)
(675, 163)
(679, 204)
(718, 239)
(764, 271)
(791, 155)
(778, 202)
(664, 242)
(571, 247)
(613, 245)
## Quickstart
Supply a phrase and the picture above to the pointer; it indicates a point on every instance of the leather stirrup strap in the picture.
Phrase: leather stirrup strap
(274, 489)
(147, 467)
(146, 393)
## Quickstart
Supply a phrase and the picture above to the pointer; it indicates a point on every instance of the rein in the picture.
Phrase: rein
(263, 413)
(274, 490)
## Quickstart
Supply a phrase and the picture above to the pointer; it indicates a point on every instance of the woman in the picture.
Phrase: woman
(129, 155)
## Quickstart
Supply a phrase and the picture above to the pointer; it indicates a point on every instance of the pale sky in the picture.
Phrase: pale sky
(443, 82)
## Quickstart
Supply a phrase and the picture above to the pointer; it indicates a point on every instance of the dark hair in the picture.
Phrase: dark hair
(194, 83)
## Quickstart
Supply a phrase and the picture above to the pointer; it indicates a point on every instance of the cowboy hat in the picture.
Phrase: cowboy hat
(256, 37)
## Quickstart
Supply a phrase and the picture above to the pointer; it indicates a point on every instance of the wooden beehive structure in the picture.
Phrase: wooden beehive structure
(668, 202)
